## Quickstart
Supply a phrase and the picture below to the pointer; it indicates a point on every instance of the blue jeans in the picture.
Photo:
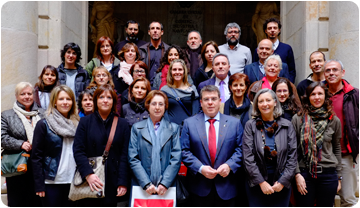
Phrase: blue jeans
(321, 190)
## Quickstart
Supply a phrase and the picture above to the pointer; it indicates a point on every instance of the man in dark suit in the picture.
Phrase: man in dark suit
(221, 68)
(272, 29)
(132, 29)
(211, 150)
(256, 71)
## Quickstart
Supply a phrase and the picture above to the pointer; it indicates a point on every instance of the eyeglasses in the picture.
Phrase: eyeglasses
(101, 75)
(139, 71)
(334, 70)
(154, 104)
(213, 99)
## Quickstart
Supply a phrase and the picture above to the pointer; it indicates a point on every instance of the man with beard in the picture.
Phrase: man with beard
(152, 52)
(193, 52)
(317, 61)
(272, 29)
(239, 55)
(256, 71)
(132, 30)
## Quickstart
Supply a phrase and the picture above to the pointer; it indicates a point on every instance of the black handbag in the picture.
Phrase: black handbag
(182, 195)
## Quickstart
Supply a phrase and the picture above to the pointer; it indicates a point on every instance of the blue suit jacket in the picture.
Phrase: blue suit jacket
(195, 152)
(287, 56)
(204, 83)
(252, 71)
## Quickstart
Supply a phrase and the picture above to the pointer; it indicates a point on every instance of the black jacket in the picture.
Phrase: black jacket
(90, 140)
(82, 79)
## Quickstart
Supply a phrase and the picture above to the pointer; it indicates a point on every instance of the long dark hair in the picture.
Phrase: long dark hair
(294, 103)
(306, 98)
(98, 49)
(40, 84)
(164, 59)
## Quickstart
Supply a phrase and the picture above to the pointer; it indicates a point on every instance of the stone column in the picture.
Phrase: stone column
(344, 37)
(18, 47)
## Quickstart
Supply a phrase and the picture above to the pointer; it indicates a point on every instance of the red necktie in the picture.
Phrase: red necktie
(212, 141)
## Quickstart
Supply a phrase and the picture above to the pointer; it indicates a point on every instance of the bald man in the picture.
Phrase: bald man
(255, 71)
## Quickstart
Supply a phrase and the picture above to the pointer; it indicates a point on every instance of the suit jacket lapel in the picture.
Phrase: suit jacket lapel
(223, 127)
(256, 70)
(200, 126)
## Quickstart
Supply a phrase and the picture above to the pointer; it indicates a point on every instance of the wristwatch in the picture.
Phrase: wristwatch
(340, 178)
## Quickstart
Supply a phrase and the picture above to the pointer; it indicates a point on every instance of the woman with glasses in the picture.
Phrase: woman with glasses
(154, 148)
(137, 70)
(104, 56)
(318, 133)
(101, 77)
(269, 151)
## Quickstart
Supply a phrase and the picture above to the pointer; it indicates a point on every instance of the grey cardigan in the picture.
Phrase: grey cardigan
(253, 152)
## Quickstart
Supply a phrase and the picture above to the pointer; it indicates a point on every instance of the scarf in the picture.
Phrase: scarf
(124, 72)
(137, 107)
(240, 110)
(312, 135)
(265, 84)
(61, 125)
(164, 73)
(156, 149)
(34, 115)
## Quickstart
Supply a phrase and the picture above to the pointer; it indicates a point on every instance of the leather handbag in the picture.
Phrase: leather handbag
(14, 164)
(79, 188)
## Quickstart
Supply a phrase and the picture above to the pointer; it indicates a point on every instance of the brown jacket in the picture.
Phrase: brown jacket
(253, 153)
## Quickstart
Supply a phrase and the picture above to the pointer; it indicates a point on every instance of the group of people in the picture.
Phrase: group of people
(247, 135)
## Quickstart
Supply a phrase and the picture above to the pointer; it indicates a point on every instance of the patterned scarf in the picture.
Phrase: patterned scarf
(312, 135)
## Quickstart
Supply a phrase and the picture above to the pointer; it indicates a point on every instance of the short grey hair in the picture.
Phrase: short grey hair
(192, 32)
(209, 88)
(231, 25)
(162, 27)
(22, 85)
(221, 54)
(335, 60)
(276, 57)
(277, 109)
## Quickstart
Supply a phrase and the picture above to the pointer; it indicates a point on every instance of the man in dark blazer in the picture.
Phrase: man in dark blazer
(221, 68)
(256, 71)
(272, 29)
(211, 150)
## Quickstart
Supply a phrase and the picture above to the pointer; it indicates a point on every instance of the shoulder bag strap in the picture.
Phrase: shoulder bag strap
(179, 101)
(111, 138)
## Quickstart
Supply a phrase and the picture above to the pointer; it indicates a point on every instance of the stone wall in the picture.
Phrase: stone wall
(344, 37)
(32, 35)
(326, 26)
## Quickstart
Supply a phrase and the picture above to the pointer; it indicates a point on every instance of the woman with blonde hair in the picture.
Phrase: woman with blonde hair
(53, 160)
(17, 129)
(183, 97)
(100, 76)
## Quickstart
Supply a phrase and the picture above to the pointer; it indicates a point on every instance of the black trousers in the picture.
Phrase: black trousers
(321, 190)
(20, 190)
(211, 200)
(56, 195)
